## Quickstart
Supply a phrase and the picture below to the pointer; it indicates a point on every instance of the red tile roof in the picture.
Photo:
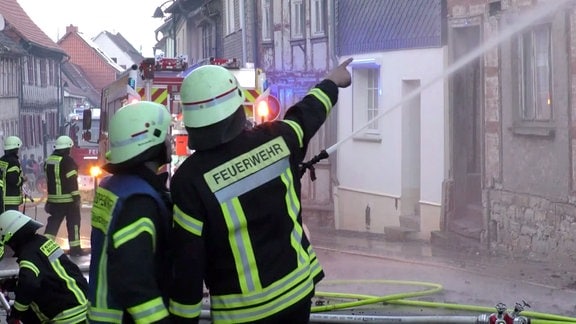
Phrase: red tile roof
(24, 26)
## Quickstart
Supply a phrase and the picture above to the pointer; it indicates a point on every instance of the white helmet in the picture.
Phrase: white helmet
(209, 94)
(11, 221)
(136, 128)
(11, 143)
(63, 142)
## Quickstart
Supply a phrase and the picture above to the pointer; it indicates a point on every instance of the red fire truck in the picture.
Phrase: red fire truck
(160, 80)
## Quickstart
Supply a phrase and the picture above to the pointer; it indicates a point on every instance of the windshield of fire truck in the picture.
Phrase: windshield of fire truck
(75, 131)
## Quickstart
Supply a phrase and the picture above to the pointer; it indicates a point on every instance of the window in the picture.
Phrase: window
(318, 17)
(535, 85)
(297, 19)
(267, 20)
(366, 93)
(230, 17)
(207, 41)
(43, 73)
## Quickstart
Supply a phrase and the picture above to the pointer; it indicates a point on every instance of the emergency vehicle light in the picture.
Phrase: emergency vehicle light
(95, 171)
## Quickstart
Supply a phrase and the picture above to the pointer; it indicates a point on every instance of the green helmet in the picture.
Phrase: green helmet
(11, 221)
(11, 143)
(63, 142)
(209, 94)
(136, 128)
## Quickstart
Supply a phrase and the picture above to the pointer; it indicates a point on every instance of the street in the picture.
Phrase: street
(367, 265)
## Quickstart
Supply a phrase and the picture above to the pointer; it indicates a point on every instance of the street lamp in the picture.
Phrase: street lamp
(159, 13)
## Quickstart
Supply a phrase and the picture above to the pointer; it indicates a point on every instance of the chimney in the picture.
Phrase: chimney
(71, 29)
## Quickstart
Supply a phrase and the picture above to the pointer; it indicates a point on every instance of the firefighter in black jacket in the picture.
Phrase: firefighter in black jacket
(63, 194)
(237, 217)
(11, 173)
(50, 287)
(131, 217)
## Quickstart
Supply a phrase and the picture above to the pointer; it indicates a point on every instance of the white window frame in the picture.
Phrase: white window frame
(297, 19)
(318, 17)
(230, 16)
(535, 71)
(366, 91)
(267, 20)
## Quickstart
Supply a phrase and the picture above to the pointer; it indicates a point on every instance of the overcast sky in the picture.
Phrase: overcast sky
(132, 18)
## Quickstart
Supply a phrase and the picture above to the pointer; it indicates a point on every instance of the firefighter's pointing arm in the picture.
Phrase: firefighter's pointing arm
(340, 75)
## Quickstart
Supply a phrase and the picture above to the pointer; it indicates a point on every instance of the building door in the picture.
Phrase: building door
(466, 133)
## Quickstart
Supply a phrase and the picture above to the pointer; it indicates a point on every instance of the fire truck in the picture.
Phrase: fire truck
(159, 80)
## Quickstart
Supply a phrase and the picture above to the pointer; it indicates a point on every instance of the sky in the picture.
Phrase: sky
(131, 18)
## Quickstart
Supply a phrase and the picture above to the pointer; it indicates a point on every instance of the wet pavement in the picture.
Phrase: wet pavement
(556, 274)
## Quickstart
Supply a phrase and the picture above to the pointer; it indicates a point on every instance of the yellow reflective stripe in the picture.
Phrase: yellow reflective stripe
(149, 312)
(104, 315)
(265, 295)
(188, 223)
(322, 97)
(60, 198)
(71, 173)
(293, 207)
(70, 282)
(185, 311)
(12, 200)
(43, 318)
(29, 265)
(71, 315)
(75, 193)
(251, 314)
(241, 246)
(20, 307)
(127, 233)
(14, 168)
(297, 129)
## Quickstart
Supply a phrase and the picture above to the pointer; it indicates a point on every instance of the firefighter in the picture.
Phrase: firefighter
(63, 194)
(12, 177)
(50, 287)
(237, 218)
(131, 217)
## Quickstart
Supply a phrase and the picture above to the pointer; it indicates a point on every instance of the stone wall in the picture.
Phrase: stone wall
(530, 226)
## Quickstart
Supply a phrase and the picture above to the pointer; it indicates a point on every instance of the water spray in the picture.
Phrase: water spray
(538, 12)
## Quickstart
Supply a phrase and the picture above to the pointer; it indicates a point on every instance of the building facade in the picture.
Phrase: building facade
(528, 176)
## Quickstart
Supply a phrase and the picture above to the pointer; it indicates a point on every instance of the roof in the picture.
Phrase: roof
(10, 47)
(94, 47)
(78, 84)
(124, 45)
(389, 25)
(19, 20)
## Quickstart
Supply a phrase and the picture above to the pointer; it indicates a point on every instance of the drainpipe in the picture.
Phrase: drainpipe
(333, 130)
(255, 38)
(243, 26)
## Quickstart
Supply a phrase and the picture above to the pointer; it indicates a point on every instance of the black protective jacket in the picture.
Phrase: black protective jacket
(12, 177)
(237, 219)
(62, 178)
(49, 283)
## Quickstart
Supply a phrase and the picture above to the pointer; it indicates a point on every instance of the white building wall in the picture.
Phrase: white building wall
(109, 47)
(370, 166)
